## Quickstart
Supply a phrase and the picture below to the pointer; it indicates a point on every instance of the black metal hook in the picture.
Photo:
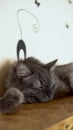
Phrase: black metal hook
(21, 45)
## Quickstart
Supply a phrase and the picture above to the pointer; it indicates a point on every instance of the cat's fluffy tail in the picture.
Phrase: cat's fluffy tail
(5, 66)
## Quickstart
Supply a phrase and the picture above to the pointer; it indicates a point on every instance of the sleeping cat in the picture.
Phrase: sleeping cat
(30, 81)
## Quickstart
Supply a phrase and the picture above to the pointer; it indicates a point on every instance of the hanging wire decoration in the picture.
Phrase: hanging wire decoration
(67, 25)
(70, 1)
(37, 3)
(35, 27)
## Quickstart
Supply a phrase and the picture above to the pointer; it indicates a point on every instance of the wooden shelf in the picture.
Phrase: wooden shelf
(55, 115)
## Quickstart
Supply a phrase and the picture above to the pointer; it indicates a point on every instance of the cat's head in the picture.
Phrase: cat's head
(31, 66)
(32, 78)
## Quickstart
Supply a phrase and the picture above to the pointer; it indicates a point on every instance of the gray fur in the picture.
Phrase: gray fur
(31, 81)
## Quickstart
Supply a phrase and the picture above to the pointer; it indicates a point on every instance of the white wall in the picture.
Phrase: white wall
(52, 41)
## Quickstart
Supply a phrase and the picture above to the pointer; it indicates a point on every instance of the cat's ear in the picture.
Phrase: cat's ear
(22, 70)
(51, 65)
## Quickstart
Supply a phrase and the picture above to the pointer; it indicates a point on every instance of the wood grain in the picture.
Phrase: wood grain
(66, 124)
(43, 116)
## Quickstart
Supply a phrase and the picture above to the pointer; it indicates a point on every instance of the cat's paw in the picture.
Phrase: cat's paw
(11, 100)
(5, 106)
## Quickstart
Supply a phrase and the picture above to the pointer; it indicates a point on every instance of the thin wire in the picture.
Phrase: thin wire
(34, 25)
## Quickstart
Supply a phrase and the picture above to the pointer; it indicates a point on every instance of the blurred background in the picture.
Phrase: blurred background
(54, 39)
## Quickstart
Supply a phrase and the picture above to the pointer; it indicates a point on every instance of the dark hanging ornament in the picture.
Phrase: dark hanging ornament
(37, 3)
(70, 1)
(21, 46)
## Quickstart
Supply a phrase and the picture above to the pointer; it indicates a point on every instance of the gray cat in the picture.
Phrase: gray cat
(31, 81)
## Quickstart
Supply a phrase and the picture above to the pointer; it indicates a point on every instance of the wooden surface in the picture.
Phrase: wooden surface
(55, 115)
(66, 124)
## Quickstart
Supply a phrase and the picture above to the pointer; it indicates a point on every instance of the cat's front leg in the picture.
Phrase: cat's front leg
(11, 99)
